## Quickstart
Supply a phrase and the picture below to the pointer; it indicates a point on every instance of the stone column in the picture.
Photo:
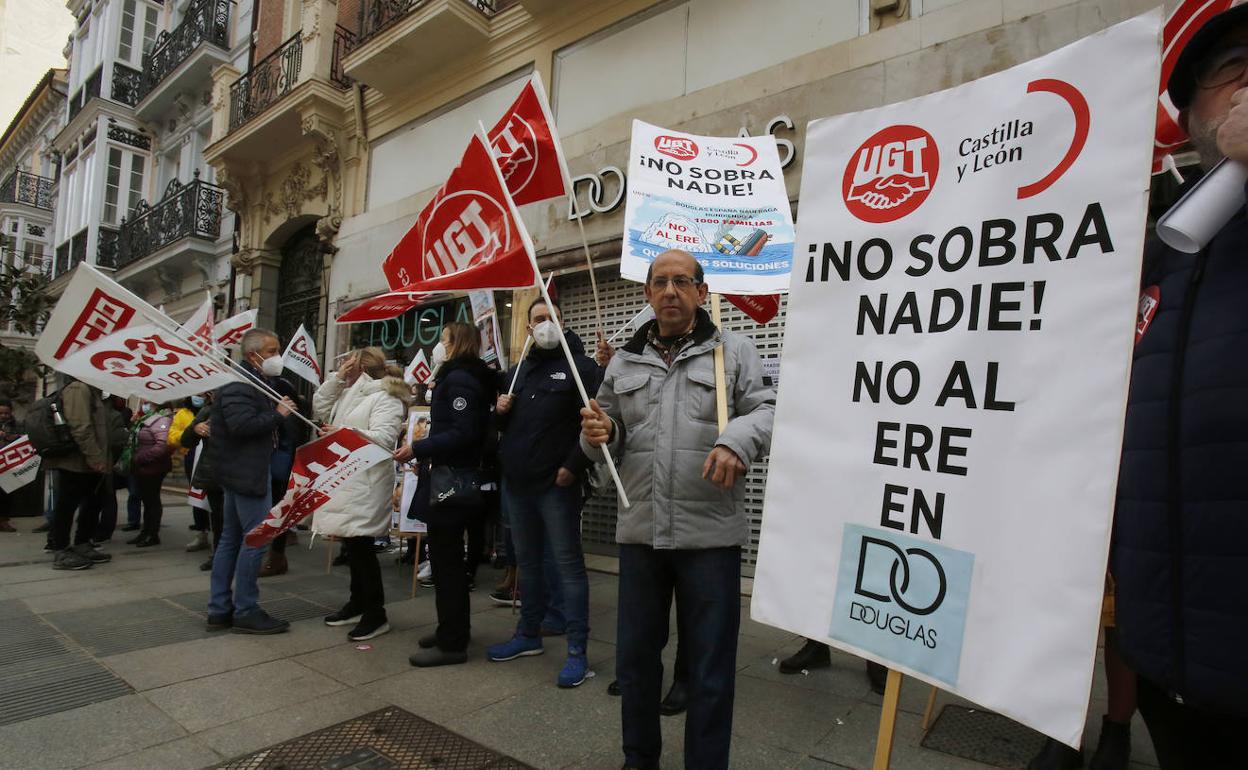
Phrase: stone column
(264, 266)
(222, 78)
(319, 20)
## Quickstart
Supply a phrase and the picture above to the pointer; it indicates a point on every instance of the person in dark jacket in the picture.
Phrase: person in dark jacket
(462, 398)
(243, 428)
(199, 433)
(1180, 543)
(292, 432)
(543, 474)
(79, 473)
(153, 459)
(103, 501)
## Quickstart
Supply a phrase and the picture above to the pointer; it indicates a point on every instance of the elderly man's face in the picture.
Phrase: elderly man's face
(673, 291)
(1210, 105)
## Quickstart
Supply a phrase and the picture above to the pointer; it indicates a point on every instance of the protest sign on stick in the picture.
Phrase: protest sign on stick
(19, 464)
(966, 278)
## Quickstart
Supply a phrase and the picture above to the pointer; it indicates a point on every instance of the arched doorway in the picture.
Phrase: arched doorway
(299, 285)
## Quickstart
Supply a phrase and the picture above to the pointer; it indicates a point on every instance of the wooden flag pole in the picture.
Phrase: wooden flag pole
(721, 377)
(888, 721)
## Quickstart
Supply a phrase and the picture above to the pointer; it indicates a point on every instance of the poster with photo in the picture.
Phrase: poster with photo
(418, 422)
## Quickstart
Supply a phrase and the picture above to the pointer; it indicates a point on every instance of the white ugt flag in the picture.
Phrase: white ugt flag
(300, 356)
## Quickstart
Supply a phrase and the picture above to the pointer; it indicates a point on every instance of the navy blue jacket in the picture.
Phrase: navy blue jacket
(243, 426)
(541, 430)
(1180, 547)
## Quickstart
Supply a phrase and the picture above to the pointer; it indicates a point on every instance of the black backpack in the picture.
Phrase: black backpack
(49, 432)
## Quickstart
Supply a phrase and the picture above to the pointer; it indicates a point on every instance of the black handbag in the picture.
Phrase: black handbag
(455, 489)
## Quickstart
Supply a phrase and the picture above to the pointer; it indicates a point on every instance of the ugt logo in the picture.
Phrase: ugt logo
(678, 147)
(517, 151)
(891, 174)
(930, 584)
(463, 230)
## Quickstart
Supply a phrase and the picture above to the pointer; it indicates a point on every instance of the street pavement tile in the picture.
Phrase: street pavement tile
(289, 720)
(86, 735)
(851, 743)
(303, 636)
(812, 763)
(173, 587)
(86, 598)
(914, 697)
(387, 656)
(201, 704)
(160, 666)
(86, 581)
(184, 754)
(785, 716)
(847, 676)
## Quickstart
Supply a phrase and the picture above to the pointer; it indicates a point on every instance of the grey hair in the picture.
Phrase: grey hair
(254, 339)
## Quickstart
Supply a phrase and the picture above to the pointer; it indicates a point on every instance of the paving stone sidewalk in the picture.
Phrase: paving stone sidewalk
(111, 667)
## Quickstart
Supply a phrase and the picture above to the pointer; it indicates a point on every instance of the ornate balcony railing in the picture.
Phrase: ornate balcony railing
(377, 15)
(89, 90)
(127, 82)
(78, 249)
(27, 188)
(344, 43)
(106, 248)
(185, 211)
(62, 259)
(206, 21)
(265, 83)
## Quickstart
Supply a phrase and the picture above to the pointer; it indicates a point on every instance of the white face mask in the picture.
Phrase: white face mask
(439, 356)
(146, 408)
(546, 335)
(272, 366)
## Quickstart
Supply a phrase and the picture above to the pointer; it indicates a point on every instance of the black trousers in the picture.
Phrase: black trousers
(153, 511)
(450, 580)
(368, 596)
(1188, 738)
(216, 513)
(71, 489)
(104, 502)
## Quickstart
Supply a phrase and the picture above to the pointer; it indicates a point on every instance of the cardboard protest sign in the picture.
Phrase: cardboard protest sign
(320, 467)
(721, 199)
(19, 464)
(418, 423)
(230, 331)
(300, 356)
(526, 145)
(955, 371)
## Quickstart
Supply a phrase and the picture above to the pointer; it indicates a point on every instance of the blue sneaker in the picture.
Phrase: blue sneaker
(516, 647)
(574, 670)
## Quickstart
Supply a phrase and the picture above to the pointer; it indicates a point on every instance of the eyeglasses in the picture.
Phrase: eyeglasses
(681, 282)
(1225, 66)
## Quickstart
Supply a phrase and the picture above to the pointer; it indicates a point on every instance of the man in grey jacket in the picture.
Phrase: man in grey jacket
(685, 478)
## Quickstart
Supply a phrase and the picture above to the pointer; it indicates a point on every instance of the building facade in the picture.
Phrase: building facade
(351, 161)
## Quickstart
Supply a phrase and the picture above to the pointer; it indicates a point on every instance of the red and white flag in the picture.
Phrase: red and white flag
(468, 237)
(418, 371)
(92, 307)
(760, 307)
(19, 464)
(230, 331)
(199, 327)
(384, 306)
(320, 468)
(1184, 22)
(197, 498)
(300, 357)
(527, 147)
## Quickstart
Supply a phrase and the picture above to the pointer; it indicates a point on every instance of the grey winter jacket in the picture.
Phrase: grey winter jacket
(665, 426)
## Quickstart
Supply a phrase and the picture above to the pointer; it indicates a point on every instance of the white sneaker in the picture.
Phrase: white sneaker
(426, 570)
(198, 543)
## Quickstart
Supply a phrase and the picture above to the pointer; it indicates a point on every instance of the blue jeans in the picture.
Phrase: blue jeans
(551, 518)
(236, 564)
(555, 619)
(707, 585)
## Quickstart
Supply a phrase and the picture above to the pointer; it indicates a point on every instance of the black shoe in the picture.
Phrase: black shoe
(129, 527)
(1113, 750)
(436, 657)
(343, 617)
(613, 689)
(425, 582)
(220, 622)
(812, 655)
(136, 539)
(86, 551)
(427, 642)
(206, 566)
(340, 560)
(44, 527)
(147, 541)
(368, 630)
(676, 700)
(877, 675)
(259, 622)
(505, 598)
(1056, 756)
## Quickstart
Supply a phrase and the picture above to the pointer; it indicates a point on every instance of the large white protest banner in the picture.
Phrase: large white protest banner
(721, 199)
(19, 464)
(954, 377)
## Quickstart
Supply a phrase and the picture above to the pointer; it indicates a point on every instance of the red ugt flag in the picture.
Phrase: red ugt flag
(467, 237)
(527, 147)
(1189, 17)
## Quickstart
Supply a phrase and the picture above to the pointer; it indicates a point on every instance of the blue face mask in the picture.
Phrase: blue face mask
(197, 401)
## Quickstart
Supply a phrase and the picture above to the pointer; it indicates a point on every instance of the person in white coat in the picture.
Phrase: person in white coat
(361, 395)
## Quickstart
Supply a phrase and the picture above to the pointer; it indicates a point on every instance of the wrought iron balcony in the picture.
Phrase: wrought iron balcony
(127, 82)
(377, 15)
(206, 21)
(78, 249)
(185, 211)
(106, 248)
(89, 90)
(266, 82)
(345, 42)
(27, 188)
(62, 259)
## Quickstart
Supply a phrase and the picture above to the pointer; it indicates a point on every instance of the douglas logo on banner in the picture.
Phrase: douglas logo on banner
(891, 174)
(677, 147)
(903, 599)
(462, 236)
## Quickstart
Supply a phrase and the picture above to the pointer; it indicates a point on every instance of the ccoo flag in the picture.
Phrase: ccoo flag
(467, 237)
(527, 147)
(300, 357)
(230, 331)
(418, 371)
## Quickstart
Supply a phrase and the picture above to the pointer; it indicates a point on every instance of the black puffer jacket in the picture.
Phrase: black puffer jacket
(541, 431)
(243, 425)
(204, 476)
(1180, 548)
